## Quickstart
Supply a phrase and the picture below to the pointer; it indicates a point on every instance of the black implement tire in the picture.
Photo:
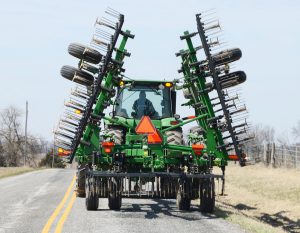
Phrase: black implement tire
(183, 203)
(115, 195)
(207, 196)
(114, 201)
(77, 75)
(183, 199)
(83, 52)
(91, 199)
(80, 181)
(175, 137)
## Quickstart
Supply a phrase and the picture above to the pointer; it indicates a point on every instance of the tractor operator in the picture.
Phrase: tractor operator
(143, 107)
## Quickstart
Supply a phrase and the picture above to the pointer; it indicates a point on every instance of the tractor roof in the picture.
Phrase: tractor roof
(143, 81)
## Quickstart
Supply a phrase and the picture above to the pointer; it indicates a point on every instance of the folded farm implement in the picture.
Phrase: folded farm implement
(138, 149)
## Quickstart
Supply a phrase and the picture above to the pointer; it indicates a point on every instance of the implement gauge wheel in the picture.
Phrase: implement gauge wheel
(80, 181)
(183, 200)
(183, 203)
(114, 194)
(91, 199)
(207, 196)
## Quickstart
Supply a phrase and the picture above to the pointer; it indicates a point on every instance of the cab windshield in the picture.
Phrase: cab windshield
(138, 101)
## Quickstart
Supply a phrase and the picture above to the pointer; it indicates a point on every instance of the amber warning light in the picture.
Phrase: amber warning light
(62, 152)
(168, 84)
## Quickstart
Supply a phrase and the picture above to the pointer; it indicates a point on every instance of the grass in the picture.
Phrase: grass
(12, 171)
(261, 199)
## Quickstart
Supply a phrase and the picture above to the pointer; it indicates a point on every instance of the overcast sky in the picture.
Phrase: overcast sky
(35, 35)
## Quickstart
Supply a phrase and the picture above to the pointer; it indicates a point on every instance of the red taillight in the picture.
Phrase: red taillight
(107, 149)
(198, 148)
(174, 122)
(107, 146)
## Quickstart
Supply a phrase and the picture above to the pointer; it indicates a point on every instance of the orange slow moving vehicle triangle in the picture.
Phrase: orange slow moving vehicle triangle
(145, 126)
(154, 138)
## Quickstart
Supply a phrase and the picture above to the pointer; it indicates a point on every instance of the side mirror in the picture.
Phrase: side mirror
(176, 116)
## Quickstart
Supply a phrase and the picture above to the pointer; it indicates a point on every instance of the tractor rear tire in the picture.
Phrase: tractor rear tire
(85, 53)
(77, 75)
(175, 137)
(196, 130)
(117, 133)
(207, 196)
(91, 199)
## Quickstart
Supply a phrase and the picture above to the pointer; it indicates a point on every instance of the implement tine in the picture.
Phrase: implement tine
(206, 11)
(112, 12)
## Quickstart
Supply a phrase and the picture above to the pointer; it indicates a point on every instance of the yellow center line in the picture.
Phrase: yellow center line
(66, 213)
(59, 207)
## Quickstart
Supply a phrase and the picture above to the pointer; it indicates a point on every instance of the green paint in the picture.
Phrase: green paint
(139, 155)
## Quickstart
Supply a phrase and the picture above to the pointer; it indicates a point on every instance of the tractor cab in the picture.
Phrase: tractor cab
(155, 99)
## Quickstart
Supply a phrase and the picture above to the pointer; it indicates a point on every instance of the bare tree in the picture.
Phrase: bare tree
(2, 157)
(10, 135)
(12, 140)
(263, 135)
(35, 146)
(296, 130)
(284, 140)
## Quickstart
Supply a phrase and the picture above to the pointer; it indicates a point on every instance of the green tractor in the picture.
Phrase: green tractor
(142, 146)
(138, 149)
(136, 99)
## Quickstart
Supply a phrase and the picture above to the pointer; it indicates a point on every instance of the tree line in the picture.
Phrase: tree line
(12, 142)
(39, 151)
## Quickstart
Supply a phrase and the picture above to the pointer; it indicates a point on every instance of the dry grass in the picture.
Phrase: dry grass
(11, 171)
(261, 199)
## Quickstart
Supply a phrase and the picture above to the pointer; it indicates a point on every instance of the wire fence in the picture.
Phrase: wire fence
(287, 156)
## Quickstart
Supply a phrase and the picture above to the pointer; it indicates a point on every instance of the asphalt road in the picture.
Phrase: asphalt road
(43, 201)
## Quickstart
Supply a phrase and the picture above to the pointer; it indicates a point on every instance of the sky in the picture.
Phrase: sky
(35, 35)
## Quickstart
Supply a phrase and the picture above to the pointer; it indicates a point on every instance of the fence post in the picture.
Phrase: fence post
(265, 154)
(296, 157)
(273, 154)
(285, 152)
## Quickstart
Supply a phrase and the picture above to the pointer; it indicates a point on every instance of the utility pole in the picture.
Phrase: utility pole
(53, 150)
(25, 149)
